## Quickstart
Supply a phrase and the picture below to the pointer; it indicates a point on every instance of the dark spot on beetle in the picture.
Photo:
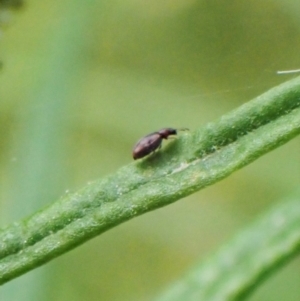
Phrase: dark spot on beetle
(151, 142)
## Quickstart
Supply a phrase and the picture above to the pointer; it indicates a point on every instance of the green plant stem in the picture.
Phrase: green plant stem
(188, 164)
(240, 266)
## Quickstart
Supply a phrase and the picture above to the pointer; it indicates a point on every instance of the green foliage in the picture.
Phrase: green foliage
(240, 266)
(195, 160)
(81, 82)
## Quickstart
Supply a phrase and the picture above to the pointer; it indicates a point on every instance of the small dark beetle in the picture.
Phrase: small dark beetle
(151, 142)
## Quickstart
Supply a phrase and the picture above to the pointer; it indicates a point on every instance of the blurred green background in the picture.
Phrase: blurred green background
(82, 81)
